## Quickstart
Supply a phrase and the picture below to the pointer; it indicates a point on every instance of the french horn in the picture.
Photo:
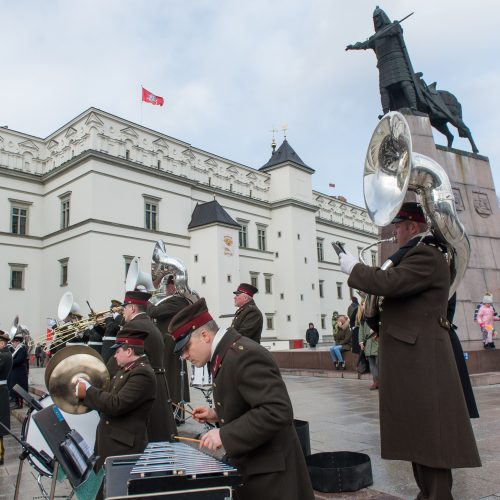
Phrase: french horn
(391, 169)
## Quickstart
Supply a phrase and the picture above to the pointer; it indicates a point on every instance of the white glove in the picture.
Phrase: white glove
(80, 380)
(347, 262)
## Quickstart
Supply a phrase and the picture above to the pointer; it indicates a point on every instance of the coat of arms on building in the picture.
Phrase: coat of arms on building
(228, 245)
(481, 203)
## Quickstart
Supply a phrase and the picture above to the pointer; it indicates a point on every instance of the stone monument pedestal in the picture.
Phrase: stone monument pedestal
(477, 208)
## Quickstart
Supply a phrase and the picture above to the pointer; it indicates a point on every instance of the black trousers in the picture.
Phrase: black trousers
(434, 484)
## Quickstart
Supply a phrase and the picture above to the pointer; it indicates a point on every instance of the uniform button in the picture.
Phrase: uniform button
(107, 422)
(218, 403)
(380, 323)
(121, 376)
(240, 347)
(214, 384)
(221, 420)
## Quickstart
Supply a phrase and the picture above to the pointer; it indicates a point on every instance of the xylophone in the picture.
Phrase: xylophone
(168, 467)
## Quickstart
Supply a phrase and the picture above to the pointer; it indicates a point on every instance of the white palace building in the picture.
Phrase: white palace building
(80, 204)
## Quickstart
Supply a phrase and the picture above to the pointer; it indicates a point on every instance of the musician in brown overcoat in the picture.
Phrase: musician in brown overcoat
(423, 414)
(161, 424)
(126, 407)
(247, 319)
(251, 406)
(162, 314)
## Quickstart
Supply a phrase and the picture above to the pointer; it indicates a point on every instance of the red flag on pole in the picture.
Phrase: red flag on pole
(155, 100)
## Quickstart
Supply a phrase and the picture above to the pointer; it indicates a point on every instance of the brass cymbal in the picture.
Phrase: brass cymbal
(65, 367)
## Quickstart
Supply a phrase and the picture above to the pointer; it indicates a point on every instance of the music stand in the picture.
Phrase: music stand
(69, 449)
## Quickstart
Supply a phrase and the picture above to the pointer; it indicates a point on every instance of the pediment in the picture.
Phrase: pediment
(211, 162)
(71, 131)
(189, 154)
(129, 131)
(251, 175)
(28, 145)
(93, 119)
(52, 144)
(232, 170)
(161, 143)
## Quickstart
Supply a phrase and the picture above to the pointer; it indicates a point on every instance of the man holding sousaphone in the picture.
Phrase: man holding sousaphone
(423, 413)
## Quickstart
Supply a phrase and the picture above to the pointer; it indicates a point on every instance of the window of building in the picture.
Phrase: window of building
(288, 317)
(321, 288)
(319, 247)
(279, 234)
(127, 154)
(268, 283)
(243, 233)
(269, 322)
(17, 272)
(254, 279)
(203, 279)
(305, 260)
(282, 296)
(229, 278)
(63, 276)
(277, 254)
(339, 290)
(127, 260)
(374, 258)
(65, 209)
(19, 216)
(196, 258)
(302, 297)
(151, 212)
(323, 321)
(261, 238)
(298, 236)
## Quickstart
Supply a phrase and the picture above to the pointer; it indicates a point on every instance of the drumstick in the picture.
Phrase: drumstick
(180, 438)
(182, 408)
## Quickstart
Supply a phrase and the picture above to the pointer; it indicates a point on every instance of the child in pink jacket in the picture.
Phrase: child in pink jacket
(485, 318)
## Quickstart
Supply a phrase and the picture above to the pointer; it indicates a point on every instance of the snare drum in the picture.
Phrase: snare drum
(201, 377)
(85, 424)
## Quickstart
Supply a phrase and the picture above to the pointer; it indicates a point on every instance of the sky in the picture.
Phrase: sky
(232, 71)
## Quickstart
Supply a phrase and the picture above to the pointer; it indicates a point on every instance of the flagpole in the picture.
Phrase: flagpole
(141, 104)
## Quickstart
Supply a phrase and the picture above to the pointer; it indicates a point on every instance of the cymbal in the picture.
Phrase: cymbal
(63, 370)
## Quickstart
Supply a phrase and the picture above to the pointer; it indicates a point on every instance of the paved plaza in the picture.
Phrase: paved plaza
(342, 415)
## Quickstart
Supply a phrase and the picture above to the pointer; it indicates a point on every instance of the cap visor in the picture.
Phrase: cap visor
(117, 345)
(180, 344)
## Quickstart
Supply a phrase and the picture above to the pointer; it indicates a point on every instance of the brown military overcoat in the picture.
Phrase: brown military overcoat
(256, 419)
(162, 314)
(161, 425)
(423, 414)
(124, 410)
(248, 321)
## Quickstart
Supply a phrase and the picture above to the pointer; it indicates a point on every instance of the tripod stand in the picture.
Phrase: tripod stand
(179, 413)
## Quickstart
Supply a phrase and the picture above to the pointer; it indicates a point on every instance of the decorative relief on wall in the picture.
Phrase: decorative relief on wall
(228, 246)
(481, 203)
(459, 202)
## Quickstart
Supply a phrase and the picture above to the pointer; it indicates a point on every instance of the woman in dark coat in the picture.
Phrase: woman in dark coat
(5, 367)
(19, 373)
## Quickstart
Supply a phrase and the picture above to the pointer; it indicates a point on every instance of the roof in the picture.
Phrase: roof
(210, 213)
(284, 154)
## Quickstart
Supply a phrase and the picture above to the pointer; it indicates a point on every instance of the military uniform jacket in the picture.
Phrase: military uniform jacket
(5, 368)
(248, 321)
(161, 423)
(423, 414)
(163, 314)
(19, 372)
(256, 419)
(125, 410)
(112, 327)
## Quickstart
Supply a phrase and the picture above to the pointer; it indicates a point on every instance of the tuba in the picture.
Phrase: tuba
(391, 169)
(162, 268)
(137, 278)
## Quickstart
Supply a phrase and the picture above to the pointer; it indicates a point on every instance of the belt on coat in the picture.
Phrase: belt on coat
(3, 382)
(159, 370)
(94, 343)
(109, 338)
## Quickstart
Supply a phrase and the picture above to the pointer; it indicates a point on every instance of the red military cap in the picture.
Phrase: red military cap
(136, 297)
(410, 211)
(246, 288)
(186, 321)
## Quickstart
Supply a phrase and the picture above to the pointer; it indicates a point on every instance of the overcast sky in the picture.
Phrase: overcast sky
(231, 71)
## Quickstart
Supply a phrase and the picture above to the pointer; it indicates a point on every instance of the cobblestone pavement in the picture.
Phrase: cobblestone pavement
(342, 416)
